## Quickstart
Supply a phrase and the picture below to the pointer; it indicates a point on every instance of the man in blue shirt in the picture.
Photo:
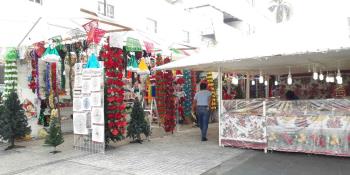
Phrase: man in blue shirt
(201, 106)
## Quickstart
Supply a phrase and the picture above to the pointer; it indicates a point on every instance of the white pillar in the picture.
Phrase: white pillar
(247, 87)
(219, 101)
(267, 87)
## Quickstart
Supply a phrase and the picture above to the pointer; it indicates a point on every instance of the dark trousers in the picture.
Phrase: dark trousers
(203, 119)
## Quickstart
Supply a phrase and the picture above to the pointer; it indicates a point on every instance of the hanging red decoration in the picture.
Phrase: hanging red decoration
(39, 48)
(34, 63)
(94, 34)
(54, 77)
(116, 119)
(170, 117)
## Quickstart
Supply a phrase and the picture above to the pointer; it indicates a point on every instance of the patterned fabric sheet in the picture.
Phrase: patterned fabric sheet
(311, 126)
(241, 124)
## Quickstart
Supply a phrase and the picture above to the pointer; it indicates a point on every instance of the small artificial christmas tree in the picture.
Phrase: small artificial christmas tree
(138, 125)
(55, 136)
(13, 122)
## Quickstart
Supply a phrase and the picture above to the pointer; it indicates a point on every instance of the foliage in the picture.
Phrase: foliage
(13, 122)
(55, 136)
(138, 125)
(282, 10)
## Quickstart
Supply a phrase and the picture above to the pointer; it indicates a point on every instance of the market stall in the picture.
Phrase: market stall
(316, 123)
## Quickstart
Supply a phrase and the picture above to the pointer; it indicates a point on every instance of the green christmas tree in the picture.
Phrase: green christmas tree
(55, 137)
(138, 125)
(13, 122)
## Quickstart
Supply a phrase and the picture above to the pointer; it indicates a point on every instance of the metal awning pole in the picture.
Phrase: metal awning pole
(220, 101)
(30, 30)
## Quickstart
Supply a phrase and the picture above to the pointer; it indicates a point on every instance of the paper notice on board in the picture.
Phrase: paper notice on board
(77, 104)
(86, 86)
(79, 123)
(86, 101)
(95, 84)
(78, 68)
(98, 133)
(78, 81)
(97, 115)
(96, 99)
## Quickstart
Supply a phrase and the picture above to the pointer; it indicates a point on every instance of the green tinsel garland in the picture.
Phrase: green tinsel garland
(10, 72)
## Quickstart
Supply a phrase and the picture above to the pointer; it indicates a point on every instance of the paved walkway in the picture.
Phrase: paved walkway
(182, 153)
(281, 163)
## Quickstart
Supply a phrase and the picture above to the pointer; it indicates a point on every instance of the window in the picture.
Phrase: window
(101, 8)
(109, 9)
(186, 36)
(37, 1)
(151, 25)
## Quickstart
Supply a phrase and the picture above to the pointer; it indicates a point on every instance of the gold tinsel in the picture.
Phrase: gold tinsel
(211, 87)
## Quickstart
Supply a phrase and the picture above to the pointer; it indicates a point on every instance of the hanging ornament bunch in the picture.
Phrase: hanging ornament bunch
(187, 87)
(10, 72)
(170, 117)
(143, 68)
(62, 52)
(53, 84)
(194, 84)
(33, 83)
(132, 63)
(179, 83)
(160, 90)
(114, 100)
(211, 88)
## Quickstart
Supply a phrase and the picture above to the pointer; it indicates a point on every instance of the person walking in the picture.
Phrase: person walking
(201, 106)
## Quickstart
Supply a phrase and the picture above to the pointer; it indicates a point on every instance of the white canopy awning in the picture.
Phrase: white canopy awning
(272, 53)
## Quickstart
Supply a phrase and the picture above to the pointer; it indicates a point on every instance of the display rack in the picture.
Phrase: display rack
(88, 109)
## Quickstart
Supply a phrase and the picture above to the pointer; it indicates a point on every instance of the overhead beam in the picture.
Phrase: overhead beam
(30, 30)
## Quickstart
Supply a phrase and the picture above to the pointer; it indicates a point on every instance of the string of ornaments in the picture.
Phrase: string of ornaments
(187, 87)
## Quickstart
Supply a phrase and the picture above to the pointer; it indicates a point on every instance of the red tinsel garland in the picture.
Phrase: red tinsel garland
(54, 77)
(116, 117)
(170, 117)
(160, 90)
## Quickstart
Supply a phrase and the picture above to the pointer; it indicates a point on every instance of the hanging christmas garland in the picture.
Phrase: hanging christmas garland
(160, 90)
(33, 76)
(10, 72)
(114, 100)
(47, 80)
(170, 117)
(211, 87)
(53, 85)
(187, 87)
(62, 52)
